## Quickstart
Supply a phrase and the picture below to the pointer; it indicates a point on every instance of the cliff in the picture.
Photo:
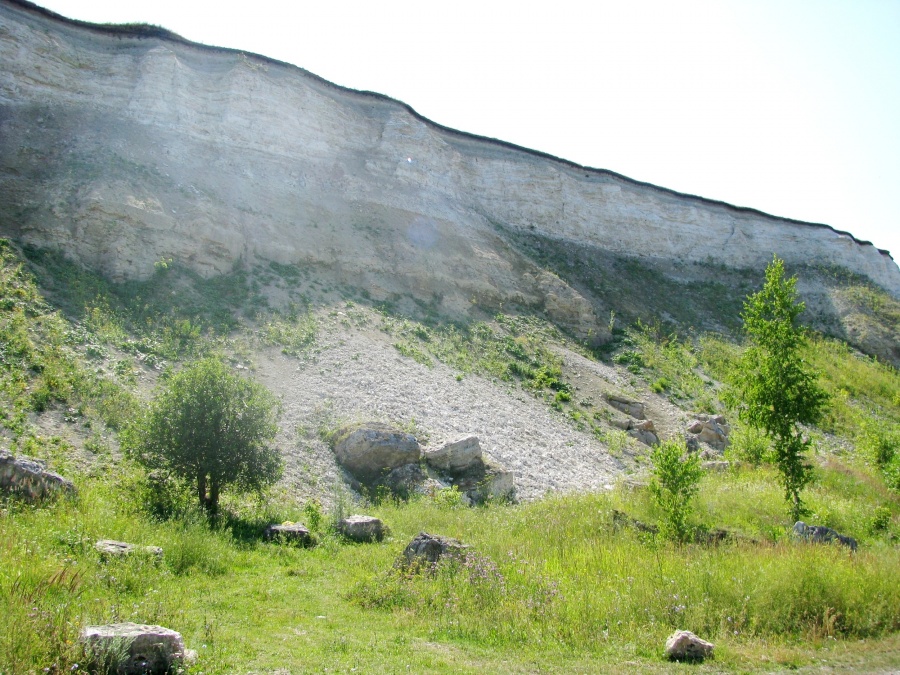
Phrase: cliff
(124, 147)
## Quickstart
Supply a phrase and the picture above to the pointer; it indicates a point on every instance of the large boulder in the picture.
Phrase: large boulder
(683, 645)
(30, 480)
(371, 450)
(135, 649)
(456, 456)
(429, 549)
(626, 405)
(362, 528)
(110, 548)
(819, 534)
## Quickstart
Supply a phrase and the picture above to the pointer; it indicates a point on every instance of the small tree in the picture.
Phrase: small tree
(674, 482)
(211, 427)
(772, 388)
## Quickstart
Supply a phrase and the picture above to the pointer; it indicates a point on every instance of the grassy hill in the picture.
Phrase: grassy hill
(564, 583)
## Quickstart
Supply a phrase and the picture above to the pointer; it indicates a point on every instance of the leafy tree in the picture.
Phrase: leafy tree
(212, 427)
(674, 482)
(772, 388)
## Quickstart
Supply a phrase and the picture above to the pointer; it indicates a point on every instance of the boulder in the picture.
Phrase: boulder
(819, 534)
(110, 548)
(405, 480)
(290, 532)
(626, 405)
(362, 528)
(135, 649)
(428, 549)
(30, 480)
(683, 645)
(644, 431)
(371, 450)
(456, 456)
(712, 430)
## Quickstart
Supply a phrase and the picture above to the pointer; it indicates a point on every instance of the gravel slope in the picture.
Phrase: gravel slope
(356, 374)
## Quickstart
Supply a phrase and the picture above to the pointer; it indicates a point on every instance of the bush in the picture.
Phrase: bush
(675, 480)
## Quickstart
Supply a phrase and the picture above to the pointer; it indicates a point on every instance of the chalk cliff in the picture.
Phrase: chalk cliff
(122, 148)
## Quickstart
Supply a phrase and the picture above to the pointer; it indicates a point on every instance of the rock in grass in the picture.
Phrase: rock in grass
(28, 479)
(626, 405)
(111, 548)
(819, 534)
(362, 528)
(683, 645)
(291, 532)
(370, 450)
(426, 550)
(135, 649)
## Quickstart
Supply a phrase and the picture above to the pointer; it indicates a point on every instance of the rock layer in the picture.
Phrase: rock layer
(124, 148)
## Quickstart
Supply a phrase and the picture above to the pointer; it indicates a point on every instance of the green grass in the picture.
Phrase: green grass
(548, 584)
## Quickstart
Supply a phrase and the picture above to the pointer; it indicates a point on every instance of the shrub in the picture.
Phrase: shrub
(675, 480)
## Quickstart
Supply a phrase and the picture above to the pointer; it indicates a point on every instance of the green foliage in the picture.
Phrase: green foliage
(773, 388)
(294, 334)
(674, 483)
(212, 427)
(748, 444)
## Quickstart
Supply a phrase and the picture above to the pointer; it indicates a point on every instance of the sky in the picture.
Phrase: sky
(791, 107)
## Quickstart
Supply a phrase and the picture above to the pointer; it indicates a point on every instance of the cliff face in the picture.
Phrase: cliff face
(124, 149)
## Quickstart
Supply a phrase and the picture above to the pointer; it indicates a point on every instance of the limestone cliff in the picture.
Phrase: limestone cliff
(124, 147)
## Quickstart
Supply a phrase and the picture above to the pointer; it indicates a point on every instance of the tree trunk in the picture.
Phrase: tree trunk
(213, 504)
(201, 489)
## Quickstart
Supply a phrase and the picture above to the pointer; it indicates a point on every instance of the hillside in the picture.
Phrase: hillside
(164, 201)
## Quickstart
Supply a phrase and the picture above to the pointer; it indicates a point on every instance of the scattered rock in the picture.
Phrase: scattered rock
(456, 456)
(362, 528)
(131, 648)
(371, 450)
(626, 405)
(30, 480)
(709, 429)
(109, 548)
(428, 549)
(683, 645)
(819, 534)
(292, 532)
(718, 465)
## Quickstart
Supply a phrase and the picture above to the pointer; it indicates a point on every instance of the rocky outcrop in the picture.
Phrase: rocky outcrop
(712, 430)
(626, 405)
(29, 479)
(683, 645)
(480, 478)
(122, 149)
(135, 649)
(372, 450)
(819, 534)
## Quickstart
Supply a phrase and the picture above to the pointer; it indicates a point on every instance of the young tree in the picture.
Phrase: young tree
(210, 426)
(674, 482)
(772, 388)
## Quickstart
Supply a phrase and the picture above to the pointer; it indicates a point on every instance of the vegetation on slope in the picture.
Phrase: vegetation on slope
(557, 585)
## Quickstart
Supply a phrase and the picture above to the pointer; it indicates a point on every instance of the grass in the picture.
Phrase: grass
(549, 584)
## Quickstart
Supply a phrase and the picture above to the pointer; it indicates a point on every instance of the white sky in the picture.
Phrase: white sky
(788, 106)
